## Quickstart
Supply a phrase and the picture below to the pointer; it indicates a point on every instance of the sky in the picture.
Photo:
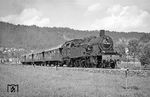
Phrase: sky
(114, 15)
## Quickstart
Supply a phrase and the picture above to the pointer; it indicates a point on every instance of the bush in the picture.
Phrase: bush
(145, 55)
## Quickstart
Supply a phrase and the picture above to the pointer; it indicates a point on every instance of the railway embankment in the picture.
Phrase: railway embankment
(139, 73)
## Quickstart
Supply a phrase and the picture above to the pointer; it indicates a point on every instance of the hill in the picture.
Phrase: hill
(34, 37)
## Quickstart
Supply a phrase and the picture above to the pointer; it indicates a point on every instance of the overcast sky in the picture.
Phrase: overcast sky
(116, 15)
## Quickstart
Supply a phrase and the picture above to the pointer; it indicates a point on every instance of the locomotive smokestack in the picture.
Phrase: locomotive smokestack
(102, 33)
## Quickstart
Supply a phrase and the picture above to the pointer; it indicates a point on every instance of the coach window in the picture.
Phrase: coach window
(72, 45)
(67, 45)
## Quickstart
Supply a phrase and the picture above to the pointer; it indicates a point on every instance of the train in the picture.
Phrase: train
(97, 51)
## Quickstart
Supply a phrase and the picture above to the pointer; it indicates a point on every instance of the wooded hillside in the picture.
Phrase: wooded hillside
(33, 37)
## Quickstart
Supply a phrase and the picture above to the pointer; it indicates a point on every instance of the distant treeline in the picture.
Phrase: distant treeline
(33, 37)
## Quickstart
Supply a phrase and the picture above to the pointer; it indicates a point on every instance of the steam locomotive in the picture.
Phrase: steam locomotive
(90, 52)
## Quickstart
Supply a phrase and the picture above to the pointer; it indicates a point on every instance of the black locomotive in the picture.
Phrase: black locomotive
(88, 52)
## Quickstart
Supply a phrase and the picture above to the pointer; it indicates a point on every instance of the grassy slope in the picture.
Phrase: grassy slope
(47, 82)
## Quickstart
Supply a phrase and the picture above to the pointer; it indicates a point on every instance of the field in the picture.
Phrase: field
(64, 82)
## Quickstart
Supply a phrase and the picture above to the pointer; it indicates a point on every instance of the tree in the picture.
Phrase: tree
(133, 46)
(145, 38)
(145, 55)
(120, 48)
(121, 45)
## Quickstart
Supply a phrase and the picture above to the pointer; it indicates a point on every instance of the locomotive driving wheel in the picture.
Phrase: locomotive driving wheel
(76, 63)
(79, 62)
(83, 63)
(112, 64)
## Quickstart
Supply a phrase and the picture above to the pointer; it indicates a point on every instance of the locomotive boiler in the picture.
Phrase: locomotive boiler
(88, 52)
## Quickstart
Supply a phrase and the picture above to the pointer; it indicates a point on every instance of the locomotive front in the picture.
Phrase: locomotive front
(106, 43)
(109, 56)
(103, 44)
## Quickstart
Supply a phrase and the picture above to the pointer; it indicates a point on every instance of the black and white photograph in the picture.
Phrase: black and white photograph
(74, 48)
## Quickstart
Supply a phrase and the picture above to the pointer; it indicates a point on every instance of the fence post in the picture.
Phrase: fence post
(126, 76)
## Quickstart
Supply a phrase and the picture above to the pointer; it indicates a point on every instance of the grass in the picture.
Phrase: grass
(48, 82)
(130, 65)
